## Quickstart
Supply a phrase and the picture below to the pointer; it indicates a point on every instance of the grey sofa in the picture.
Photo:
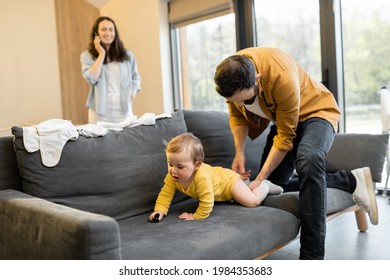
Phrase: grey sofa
(95, 202)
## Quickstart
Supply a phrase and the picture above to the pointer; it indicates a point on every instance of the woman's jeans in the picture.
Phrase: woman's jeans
(313, 141)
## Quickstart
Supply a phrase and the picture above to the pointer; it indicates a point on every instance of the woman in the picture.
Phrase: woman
(112, 72)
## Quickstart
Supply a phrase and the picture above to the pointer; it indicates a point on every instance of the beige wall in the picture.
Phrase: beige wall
(29, 72)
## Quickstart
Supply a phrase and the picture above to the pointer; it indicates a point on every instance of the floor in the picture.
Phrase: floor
(345, 242)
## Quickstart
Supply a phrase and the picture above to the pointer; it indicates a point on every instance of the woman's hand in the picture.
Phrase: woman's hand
(187, 216)
(99, 48)
(96, 68)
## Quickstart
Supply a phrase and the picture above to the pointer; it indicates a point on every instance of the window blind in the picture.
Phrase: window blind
(184, 12)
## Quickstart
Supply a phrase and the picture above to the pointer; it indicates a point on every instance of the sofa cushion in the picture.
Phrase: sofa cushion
(212, 128)
(350, 151)
(230, 232)
(9, 174)
(119, 174)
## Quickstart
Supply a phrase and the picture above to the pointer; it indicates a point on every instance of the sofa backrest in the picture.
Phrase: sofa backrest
(212, 128)
(119, 174)
(9, 172)
(349, 151)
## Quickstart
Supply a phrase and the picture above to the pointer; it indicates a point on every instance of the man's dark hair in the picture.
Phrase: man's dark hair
(237, 72)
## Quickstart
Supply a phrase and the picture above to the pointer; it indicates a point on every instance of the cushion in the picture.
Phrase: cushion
(230, 232)
(9, 174)
(212, 128)
(119, 174)
(350, 151)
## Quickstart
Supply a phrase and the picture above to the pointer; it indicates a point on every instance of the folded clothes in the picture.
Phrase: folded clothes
(117, 126)
(145, 119)
(50, 138)
(91, 130)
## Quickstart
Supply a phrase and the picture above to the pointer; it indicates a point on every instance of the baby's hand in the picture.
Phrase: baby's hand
(187, 216)
(155, 217)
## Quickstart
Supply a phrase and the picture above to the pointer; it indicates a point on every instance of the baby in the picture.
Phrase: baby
(189, 174)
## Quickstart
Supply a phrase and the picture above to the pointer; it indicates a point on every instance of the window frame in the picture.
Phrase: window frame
(331, 48)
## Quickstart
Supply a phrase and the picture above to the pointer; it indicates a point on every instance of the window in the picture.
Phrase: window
(202, 46)
(293, 26)
(366, 33)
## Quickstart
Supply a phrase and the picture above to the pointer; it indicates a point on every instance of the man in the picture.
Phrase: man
(263, 85)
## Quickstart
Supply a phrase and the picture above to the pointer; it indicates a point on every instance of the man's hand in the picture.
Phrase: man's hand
(245, 175)
(187, 216)
(238, 164)
(254, 184)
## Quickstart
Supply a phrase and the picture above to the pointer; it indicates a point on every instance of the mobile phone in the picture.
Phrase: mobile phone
(155, 218)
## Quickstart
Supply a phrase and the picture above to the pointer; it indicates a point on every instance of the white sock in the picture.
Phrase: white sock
(272, 188)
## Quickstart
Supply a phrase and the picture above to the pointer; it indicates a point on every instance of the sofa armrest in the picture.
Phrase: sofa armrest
(34, 228)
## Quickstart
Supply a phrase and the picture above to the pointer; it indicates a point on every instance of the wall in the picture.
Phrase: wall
(30, 89)
(29, 72)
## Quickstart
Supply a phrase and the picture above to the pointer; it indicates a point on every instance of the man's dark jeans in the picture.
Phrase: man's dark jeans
(311, 145)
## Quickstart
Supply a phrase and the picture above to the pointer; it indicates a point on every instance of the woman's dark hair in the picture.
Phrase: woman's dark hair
(116, 52)
(234, 73)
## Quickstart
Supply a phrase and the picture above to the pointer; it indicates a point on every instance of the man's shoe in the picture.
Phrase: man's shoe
(364, 194)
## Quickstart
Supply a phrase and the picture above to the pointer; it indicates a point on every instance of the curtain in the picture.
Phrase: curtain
(184, 12)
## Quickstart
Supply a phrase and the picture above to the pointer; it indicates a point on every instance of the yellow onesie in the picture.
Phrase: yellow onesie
(210, 184)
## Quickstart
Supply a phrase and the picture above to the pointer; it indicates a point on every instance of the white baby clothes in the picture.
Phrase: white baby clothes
(164, 116)
(117, 126)
(91, 130)
(145, 119)
(50, 138)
